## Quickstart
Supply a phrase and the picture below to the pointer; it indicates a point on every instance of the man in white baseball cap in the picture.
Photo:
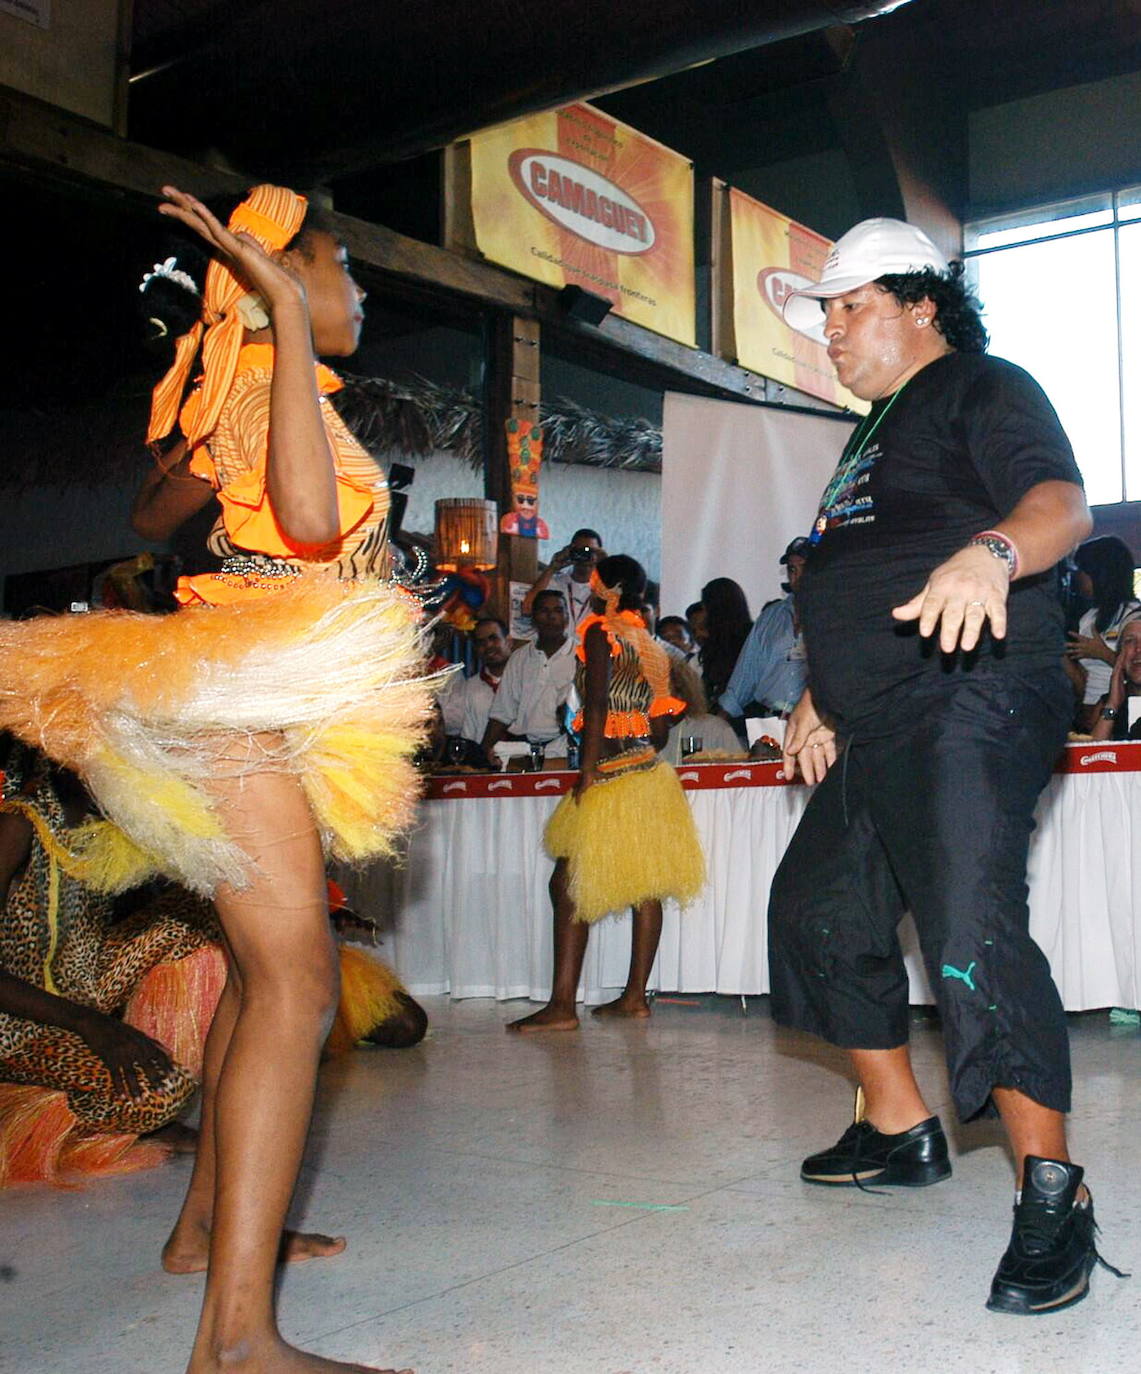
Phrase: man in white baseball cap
(934, 634)
(874, 248)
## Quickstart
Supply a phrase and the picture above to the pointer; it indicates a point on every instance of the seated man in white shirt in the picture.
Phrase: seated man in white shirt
(467, 701)
(535, 683)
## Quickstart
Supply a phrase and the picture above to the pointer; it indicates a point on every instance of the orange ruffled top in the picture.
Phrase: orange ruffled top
(639, 678)
(233, 461)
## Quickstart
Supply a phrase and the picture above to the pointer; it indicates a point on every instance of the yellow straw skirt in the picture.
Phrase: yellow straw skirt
(629, 838)
(322, 679)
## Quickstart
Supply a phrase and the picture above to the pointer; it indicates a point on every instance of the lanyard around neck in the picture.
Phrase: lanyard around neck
(853, 451)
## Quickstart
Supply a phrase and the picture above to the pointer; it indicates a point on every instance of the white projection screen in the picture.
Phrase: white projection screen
(738, 483)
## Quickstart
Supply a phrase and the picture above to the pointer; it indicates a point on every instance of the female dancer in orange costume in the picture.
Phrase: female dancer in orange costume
(624, 837)
(230, 744)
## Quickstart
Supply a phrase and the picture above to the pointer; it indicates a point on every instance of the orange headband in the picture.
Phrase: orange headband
(271, 215)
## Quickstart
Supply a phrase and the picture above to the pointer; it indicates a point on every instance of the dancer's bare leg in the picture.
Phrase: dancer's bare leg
(278, 932)
(187, 1248)
(644, 940)
(570, 949)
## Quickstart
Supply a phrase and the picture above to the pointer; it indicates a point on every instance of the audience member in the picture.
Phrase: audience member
(569, 574)
(467, 701)
(674, 631)
(717, 736)
(727, 626)
(1105, 578)
(651, 606)
(536, 682)
(769, 677)
(695, 619)
(1125, 681)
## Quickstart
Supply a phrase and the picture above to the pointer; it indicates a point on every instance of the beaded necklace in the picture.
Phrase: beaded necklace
(858, 441)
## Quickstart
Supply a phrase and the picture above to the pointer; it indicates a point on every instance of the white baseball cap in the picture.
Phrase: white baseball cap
(872, 249)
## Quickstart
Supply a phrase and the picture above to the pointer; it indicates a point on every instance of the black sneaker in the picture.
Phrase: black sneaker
(863, 1155)
(1052, 1249)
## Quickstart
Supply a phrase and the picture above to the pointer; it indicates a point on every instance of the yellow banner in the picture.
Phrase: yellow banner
(573, 197)
(773, 255)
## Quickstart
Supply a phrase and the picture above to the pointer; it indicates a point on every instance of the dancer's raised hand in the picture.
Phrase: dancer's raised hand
(269, 276)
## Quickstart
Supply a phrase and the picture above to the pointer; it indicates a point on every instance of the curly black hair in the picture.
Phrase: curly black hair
(958, 314)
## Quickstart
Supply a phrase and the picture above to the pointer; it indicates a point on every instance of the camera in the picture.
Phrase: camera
(581, 555)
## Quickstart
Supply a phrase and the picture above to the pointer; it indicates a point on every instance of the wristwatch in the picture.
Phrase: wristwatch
(1000, 546)
(1110, 712)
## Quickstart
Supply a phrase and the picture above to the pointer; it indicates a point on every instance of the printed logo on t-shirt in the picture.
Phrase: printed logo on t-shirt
(847, 499)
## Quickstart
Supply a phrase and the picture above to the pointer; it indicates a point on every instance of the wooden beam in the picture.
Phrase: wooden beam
(722, 331)
(510, 391)
(45, 142)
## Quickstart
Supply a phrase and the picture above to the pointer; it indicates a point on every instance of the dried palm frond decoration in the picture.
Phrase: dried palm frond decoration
(94, 444)
(419, 417)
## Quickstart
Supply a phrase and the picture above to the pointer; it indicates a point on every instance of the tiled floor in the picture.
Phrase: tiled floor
(621, 1201)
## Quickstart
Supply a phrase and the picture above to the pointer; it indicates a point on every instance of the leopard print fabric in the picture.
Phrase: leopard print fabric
(58, 935)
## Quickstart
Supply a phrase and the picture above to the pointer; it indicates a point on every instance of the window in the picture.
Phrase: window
(1061, 294)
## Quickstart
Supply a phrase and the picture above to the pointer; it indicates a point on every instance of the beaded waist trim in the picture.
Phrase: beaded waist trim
(635, 760)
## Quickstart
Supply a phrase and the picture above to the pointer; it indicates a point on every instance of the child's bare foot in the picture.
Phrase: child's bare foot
(637, 1008)
(548, 1018)
(187, 1253)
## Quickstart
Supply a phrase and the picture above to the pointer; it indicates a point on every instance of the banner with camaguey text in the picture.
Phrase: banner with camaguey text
(773, 255)
(572, 197)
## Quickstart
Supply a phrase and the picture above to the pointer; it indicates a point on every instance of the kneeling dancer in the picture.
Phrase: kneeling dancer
(934, 636)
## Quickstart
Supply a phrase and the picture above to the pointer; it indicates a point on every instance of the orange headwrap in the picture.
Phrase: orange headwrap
(272, 215)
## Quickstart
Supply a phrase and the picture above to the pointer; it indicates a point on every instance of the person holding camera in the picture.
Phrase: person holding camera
(1125, 681)
(569, 574)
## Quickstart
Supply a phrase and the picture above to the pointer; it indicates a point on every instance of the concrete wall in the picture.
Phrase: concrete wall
(624, 507)
(1050, 147)
(43, 528)
(64, 52)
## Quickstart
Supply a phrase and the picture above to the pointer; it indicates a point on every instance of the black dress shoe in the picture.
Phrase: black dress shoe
(863, 1155)
(1052, 1250)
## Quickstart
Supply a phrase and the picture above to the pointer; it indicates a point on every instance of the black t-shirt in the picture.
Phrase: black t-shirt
(948, 455)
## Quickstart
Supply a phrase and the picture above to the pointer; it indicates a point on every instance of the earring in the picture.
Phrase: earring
(921, 320)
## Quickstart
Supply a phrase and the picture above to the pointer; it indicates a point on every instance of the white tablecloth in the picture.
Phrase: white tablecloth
(469, 913)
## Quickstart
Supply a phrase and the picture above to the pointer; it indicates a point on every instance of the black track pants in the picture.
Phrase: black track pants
(936, 819)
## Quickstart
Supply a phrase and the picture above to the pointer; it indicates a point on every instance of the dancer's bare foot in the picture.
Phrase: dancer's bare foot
(279, 1358)
(186, 1253)
(548, 1018)
(636, 1008)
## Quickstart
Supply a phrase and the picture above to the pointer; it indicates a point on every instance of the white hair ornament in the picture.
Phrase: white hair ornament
(171, 270)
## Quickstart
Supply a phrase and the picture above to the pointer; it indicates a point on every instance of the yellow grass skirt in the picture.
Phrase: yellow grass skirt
(629, 838)
(322, 680)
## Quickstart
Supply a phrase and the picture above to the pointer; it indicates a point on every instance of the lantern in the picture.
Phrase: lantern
(466, 533)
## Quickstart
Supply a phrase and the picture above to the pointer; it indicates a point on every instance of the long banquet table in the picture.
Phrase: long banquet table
(468, 912)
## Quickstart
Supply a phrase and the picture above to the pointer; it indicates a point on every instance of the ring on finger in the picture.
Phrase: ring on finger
(977, 603)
